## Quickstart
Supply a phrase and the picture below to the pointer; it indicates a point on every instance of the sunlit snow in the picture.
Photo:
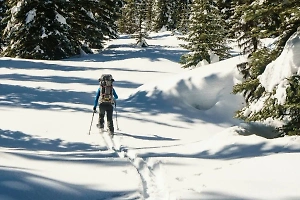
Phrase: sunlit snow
(176, 137)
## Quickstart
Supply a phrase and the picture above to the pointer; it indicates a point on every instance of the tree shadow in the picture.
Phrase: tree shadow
(126, 84)
(148, 138)
(124, 115)
(21, 141)
(211, 195)
(12, 63)
(53, 79)
(18, 184)
(217, 195)
(64, 80)
(158, 103)
(152, 52)
(233, 151)
(161, 36)
(26, 97)
(154, 105)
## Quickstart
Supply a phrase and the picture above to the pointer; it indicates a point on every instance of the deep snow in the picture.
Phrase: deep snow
(177, 138)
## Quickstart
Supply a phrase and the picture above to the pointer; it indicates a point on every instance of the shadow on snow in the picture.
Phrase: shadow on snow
(37, 98)
(152, 52)
(53, 79)
(40, 65)
(158, 103)
(148, 138)
(20, 140)
(233, 151)
(18, 184)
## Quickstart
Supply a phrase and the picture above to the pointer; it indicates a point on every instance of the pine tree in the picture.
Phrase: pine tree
(183, 12)
(59, 29)
(281, 20)
(291, 108)
(128, 22)
(179, 15)
(171, 14)
(155, 15)
(3, 9)
(162, 16)
(225, 6)
(245, 25)
(38, 30)
(226, 9)
(106, 14)
(134, 20)
(93, 22)
(141, 32)
(150, 15)
(207, 34)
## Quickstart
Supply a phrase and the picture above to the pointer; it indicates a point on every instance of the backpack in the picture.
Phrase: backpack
(106, 90)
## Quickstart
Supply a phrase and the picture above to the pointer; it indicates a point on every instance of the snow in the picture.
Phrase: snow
(61, 19)
(275, 73)
(177, 138)
(30, 16)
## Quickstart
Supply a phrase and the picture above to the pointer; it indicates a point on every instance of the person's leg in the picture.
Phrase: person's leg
(110, 123)
(101, 116)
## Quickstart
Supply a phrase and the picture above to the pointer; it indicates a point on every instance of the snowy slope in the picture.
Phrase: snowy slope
(176, 139)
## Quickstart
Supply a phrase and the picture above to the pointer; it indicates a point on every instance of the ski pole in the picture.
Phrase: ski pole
(91, 123)
(116, 115)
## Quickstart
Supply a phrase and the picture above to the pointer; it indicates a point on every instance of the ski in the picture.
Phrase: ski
(108, 139)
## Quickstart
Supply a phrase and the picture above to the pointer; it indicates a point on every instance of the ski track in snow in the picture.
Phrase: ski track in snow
(152, 184)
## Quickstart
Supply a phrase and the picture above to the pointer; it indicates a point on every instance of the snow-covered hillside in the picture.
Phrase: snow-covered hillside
(176, 137)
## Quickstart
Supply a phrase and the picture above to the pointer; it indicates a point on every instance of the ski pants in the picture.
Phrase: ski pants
(108, 109)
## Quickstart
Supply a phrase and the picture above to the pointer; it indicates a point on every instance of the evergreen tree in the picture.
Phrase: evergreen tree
(141, 32)
(225, 6)
(155, 15)
(276, 19)
(183, 11)
(279, 19)
(206, 35)
(150, 15)
(3, 9)
(172, 14)
(59, 29)
(290, 110)
(179, 15)
(38, 30)
(106, 14)
(162, 16)
(93, 22)
(128, 21)
(82, 22)
(226, 9)
(245, 25)
(134, 20)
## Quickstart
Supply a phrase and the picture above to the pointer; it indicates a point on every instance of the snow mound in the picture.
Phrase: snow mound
(210, 91)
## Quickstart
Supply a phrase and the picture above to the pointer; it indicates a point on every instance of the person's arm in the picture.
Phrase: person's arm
(115, 94)
(97, 98)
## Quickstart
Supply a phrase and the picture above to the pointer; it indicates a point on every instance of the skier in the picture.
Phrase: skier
(106, 96)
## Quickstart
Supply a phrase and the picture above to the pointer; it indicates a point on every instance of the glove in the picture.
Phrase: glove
(94, 109)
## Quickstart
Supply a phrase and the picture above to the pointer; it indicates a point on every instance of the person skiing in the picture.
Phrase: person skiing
(106, 97)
